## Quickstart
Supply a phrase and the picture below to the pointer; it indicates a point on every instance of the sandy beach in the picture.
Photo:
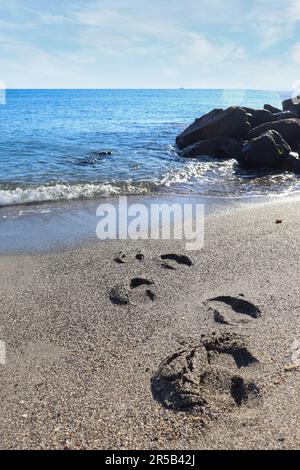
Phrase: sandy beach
(150, 228)
(137, 355)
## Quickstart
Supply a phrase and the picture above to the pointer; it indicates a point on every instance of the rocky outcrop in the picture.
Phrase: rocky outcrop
(284, 115)
(293, 163)
(256, 138)
(219, 147)
(292, 104)
(289, 129)
(256, 117)
(267, 150)
(272, 109)
(231, 122)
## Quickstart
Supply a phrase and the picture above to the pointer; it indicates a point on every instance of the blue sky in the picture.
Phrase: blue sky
(143, 44)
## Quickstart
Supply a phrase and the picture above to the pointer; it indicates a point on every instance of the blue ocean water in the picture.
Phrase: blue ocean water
(48, 140)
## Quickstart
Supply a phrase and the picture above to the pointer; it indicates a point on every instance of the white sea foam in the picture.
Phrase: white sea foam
(45, 193)
(195, 171)
(216, 177)
(64, 191)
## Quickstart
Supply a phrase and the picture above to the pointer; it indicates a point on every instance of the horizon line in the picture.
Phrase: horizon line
(146, 88)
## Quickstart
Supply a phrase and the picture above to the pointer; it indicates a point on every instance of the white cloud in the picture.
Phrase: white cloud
(273, 21)
(138, 43)
(120, 30)
(294, 10)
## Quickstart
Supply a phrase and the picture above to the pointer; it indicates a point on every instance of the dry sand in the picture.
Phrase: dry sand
(83, 372)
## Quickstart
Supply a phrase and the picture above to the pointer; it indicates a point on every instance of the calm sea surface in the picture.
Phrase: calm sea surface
(48, 139)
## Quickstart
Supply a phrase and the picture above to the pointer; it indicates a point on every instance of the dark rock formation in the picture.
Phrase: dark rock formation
(219, 147)
(102, 153)
(284, 115)
(291, 105)
(293, 163)
(267, 150)
(256, 117)
(272, 109)
(256, 138)
(93, 158)
(231, 122)
(289, 129)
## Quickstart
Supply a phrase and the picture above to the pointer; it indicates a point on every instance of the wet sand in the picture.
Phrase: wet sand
(137, 355)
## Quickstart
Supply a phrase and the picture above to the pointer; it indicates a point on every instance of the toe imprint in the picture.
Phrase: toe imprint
(138, 281)
(121, 258)
(119, 295)
(140, 257)
(179, 259)
(233, 310)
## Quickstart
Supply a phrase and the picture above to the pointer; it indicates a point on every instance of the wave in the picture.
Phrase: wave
(205, 177)
(12, 195)
(64, 192)
(195, 171)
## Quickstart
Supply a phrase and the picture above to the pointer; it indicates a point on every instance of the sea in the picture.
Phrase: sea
(51, 145)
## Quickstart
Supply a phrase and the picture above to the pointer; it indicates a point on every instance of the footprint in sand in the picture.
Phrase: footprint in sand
(122, 258)
(211, 377)
(119, 295)
(172, 261)
(139, 290)
(233, 310)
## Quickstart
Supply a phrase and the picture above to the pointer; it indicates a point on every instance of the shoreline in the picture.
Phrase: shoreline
(47, 226)
(82, 371)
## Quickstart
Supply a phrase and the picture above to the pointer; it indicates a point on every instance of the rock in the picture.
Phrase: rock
(93, 158)
(231, 122)
(267, 150)
(289, 105)
(293, 163)
(219, 147)
(256, 117)
(102, 153)
(284, 115)
(272, 109)
(289, 129)
(296, 150)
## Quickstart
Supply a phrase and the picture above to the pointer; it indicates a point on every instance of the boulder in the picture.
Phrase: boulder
(296, 149)
(284, 115)
(219, 147)
(256, 117)
(267, 150)
(291, 105)
(289, 129)
(272, 109)
(293, 163)
(231, 122)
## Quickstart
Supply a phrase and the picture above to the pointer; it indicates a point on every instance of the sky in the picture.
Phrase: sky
(150, 44)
